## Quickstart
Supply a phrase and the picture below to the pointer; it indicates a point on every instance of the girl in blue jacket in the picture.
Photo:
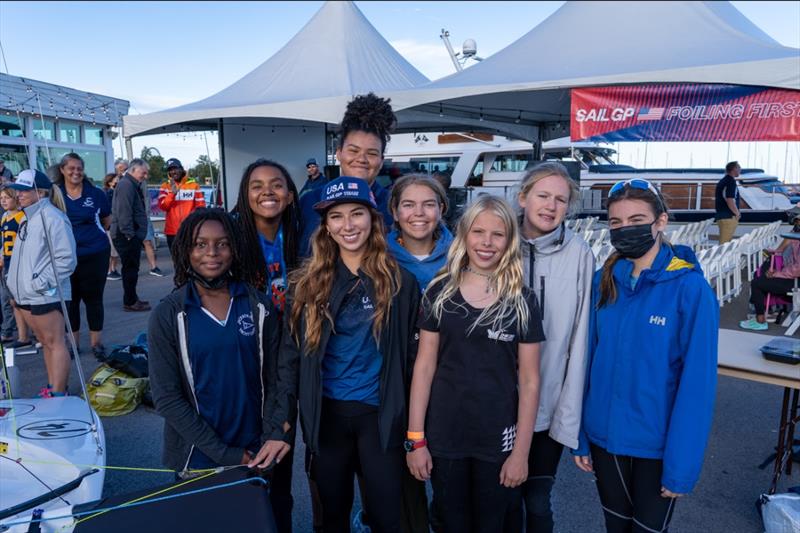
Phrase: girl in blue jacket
(420, 240)
(653, 367)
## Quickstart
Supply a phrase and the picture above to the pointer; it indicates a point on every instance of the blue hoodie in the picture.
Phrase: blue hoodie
(653, 366)
(427, 268)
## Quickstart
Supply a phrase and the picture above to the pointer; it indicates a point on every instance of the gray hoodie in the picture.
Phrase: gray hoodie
(559, 267)
(30, 274)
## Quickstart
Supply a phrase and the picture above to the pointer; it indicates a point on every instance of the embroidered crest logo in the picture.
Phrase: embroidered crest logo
(246, 325)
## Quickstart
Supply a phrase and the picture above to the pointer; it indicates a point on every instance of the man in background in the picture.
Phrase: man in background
(726, 202)
(178, 197)
(6, 176)
(314, 180)
(128, 229)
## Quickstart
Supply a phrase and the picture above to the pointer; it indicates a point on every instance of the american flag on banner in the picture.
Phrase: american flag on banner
(352, 185)
(650, 113)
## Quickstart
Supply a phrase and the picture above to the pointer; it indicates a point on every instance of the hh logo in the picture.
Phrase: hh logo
(185, 194)
(499, 336)
(658, 320)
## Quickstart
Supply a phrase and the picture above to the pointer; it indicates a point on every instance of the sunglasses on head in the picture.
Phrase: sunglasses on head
(635, 183)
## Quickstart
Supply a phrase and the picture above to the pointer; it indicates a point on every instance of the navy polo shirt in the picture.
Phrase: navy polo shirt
(85, 213)
(227, 373)
(352, 364)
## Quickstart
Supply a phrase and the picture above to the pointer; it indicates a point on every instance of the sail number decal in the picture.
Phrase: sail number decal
(54, 429)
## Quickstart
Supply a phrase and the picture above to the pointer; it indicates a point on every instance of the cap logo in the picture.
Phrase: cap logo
(336, 188)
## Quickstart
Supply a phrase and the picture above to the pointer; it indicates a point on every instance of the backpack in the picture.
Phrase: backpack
(112, 392)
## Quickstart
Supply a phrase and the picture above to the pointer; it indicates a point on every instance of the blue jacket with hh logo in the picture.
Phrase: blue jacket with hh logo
(652, 372)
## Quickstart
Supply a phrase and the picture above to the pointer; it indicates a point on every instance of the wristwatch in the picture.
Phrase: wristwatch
(411, 445)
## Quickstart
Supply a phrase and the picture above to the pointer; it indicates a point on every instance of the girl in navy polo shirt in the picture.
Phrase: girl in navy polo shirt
(213, 350)
(90, 214)
(347, 342)
(475, 389)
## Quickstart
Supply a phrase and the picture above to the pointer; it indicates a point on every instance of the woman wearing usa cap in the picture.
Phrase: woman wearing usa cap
(344, 355)
(36, 279)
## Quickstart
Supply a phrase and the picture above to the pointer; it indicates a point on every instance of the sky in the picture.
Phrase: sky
(160, 55)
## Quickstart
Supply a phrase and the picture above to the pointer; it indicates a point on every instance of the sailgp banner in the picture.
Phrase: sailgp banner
(683, 112)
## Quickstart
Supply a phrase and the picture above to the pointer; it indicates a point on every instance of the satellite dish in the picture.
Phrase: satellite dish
(469, 48)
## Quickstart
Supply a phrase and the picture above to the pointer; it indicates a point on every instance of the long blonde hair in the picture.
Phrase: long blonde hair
(506, 281)
(312, 283)
(56, 197)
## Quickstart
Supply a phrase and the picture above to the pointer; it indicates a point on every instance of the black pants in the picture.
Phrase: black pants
(349, 442)
(170, 240)
(761, 286)
(280, 492)
(630, 493)
(543, 462)
(130, 254)
(88, 283)
(469, 496)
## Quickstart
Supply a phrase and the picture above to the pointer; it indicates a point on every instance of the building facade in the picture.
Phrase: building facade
(40, 122)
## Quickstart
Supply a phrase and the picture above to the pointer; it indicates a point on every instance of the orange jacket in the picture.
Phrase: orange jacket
(177, 206)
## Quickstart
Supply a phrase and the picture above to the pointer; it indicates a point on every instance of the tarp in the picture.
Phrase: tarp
(591, 44)
(683, 112)
(335, 56)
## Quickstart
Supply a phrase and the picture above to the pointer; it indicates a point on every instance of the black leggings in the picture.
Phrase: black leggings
(280, 492)
(469, 496)
(761, 286)
(630, 493)
(349, 442)
(88, 284)
(543, 462)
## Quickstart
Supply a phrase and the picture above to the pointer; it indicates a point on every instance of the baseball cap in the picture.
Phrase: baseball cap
(345, 190)
(30, 179)
(311, 161)
(172, 162)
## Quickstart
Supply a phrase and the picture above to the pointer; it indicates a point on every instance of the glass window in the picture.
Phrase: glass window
(69, 132)
(511, 162)
(94, 134)
(44, 129)
(16, 157)
(94, 161)
(10, 126)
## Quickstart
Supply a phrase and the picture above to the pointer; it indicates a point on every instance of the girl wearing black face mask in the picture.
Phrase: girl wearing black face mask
(213, 351)
(652, 370)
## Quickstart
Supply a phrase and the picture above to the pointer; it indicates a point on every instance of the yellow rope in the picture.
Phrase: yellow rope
(151, 495)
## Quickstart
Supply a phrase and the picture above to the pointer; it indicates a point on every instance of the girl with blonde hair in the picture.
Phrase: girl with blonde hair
(347, 343)
(475, 388)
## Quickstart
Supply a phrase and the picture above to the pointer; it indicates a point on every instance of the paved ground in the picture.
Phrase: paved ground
(744, 434)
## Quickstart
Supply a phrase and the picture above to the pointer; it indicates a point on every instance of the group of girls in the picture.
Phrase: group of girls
(469, 359)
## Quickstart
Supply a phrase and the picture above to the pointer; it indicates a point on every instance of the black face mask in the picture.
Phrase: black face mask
(210, 284)
(633, 242)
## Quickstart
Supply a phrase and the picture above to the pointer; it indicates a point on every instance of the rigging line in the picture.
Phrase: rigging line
(140, 500)
(3, 53)
(49, 160)
(131, 468)
(37, 478)
(137, 502)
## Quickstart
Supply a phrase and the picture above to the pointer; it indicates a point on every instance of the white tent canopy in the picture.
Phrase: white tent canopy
(343, 52)
(606, 43)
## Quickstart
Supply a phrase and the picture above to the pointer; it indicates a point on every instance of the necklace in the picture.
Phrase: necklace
(481, 274)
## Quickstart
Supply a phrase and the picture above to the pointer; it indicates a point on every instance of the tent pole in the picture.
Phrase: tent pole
(222, 174)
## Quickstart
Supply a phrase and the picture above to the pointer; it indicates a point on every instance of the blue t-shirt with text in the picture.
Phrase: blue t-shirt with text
(85, 213)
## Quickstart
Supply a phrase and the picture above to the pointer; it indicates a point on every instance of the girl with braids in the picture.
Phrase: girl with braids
(652, 374)
(213, 351)
(475, 388)
(349, 328)
(363, 135)
(269, 218)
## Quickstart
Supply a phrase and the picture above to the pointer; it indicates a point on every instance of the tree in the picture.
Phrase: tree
(158, 174)
(204, 168)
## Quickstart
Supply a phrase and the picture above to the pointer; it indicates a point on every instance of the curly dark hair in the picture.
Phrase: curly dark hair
(369, 113)
(254, 263)
(187, 233)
